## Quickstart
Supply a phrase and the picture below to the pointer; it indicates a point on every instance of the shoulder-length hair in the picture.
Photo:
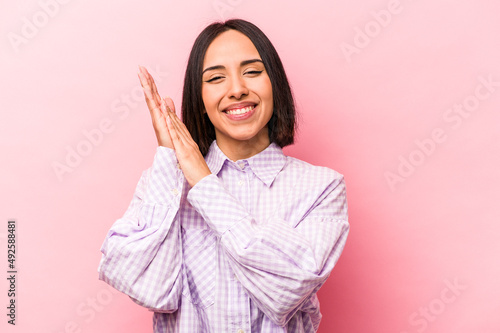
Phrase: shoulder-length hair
(282, 125)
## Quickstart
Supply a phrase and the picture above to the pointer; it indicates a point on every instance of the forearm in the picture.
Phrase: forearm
(280, 263)
(142, 250)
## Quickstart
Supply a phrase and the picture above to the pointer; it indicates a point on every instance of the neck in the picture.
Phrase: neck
(239, 150)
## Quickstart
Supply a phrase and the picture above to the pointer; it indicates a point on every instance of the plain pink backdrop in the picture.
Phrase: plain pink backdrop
(374, 80)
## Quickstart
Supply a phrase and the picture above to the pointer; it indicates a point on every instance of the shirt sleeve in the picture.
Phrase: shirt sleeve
(279, 263)
(142, 252)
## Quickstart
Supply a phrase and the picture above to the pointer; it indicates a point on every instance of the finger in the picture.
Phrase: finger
(164, 109)
(151, 80)
(146, 85)
(151, 84)
(173, 127)
(170, 103)
(171, 112)
(174, 136)
(146, 88)
(150, 99)
(143, 69)
(165, 118)
(181, 130)
(143, 79)
(168, 108)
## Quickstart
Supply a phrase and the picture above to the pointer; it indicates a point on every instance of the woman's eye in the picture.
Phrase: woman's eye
(215, 78)
(254, 72)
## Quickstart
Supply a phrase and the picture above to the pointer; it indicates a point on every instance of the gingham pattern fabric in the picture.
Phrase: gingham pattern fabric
(244, 250)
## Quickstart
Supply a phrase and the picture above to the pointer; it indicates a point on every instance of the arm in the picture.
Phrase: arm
(279, 263)
(142, 251)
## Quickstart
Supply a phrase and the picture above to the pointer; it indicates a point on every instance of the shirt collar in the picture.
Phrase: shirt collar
(215, 158)
(265, 165)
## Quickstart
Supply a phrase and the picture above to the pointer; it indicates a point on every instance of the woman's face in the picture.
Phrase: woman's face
(237, 92)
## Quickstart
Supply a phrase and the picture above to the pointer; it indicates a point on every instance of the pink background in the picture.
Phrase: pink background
(378, 83)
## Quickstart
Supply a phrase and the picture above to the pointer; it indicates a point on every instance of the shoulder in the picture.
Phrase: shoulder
(313, 191)
(310, 173)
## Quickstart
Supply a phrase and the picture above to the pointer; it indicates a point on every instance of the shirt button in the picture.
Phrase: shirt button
(174, 191)
(240, 331)
(240, 182)
(242, 166)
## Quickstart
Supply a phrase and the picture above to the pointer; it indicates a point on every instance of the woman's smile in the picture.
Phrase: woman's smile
(237, 92)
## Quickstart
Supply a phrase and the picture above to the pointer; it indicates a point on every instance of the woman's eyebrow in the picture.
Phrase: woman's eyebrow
(246, 62)
(243, 63)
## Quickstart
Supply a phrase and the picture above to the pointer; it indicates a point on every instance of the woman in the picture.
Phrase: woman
(225, 233)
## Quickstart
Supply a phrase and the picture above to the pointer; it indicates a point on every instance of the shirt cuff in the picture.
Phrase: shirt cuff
(216, 205)
(165, 181)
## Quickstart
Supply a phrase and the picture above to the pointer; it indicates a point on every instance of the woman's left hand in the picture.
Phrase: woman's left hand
(188, 153)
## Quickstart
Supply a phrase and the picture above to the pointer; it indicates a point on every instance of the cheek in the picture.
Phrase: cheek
(268, 92)
(210, 96)
(206, 97)
(267, 88)
(271, 93)
(263, 89)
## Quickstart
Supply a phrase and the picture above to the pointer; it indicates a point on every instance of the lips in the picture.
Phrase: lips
(239, 108)
(240, 111)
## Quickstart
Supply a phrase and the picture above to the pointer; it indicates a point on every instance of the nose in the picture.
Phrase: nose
(237, 88)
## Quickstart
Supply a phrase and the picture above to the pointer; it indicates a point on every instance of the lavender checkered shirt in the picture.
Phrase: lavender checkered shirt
(244, 250)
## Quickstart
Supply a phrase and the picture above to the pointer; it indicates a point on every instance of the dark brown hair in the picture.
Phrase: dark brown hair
(282, 125)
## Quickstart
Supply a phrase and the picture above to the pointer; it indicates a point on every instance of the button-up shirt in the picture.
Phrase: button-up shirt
(244, 250)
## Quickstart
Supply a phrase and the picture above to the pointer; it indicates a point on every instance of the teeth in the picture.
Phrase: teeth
(240, 111)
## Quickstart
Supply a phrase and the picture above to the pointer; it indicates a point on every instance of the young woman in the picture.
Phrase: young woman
(225, 233)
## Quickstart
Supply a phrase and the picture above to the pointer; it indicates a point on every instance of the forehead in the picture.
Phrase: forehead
(231, 46)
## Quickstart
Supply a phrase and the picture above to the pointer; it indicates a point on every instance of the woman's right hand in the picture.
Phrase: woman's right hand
(158, 107)
(172, 133)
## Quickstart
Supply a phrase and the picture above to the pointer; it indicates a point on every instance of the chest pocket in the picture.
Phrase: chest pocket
(199, 254)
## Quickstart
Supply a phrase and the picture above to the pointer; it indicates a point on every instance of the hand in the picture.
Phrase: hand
(188, 153)
(157, 107)
(171, 132)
